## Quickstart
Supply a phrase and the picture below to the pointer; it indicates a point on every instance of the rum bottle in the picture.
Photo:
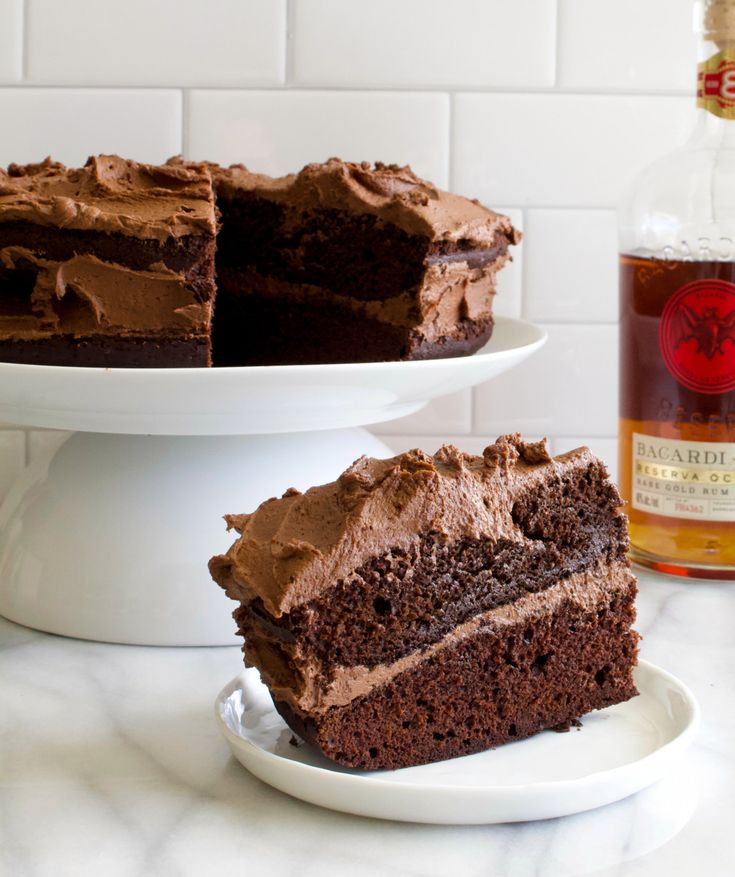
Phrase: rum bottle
(677, 332)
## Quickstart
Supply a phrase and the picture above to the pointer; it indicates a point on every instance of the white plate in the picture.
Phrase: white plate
(251, 400)
(618, 751)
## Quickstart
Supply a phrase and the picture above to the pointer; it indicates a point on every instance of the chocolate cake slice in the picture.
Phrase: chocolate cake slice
(111, 264)
(349, 262)
(421, 607)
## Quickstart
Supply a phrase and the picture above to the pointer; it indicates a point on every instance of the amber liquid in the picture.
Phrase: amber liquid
(653, 403)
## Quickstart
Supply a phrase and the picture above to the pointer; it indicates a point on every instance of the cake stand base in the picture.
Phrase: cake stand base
(109, 538)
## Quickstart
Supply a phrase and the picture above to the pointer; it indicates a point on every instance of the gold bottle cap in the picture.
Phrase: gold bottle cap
(715, 20)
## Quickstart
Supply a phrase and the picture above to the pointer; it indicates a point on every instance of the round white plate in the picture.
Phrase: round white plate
(618, 751)
(252, 400)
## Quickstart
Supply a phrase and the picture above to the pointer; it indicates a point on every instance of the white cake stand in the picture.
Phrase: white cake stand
(109, 538)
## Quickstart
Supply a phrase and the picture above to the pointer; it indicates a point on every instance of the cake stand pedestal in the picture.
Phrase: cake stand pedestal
(108, 539)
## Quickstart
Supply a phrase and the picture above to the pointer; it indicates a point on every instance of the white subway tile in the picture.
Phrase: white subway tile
(555, 149)
(399, 444)
(12, 457)
(627, 44)
(571, 272)
(449, 414)
(569, 387)
(604, 448)
(470, 444)
(510, 278)
(71, 124)
(278, 132)
(156, 42)
(425, 43)
(11, 39)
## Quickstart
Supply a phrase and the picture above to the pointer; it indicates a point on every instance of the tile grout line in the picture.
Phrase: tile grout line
(366, 88)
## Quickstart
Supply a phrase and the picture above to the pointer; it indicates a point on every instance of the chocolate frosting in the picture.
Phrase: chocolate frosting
(291, 549)
(111, 194)
(83, 296)
(393, 193)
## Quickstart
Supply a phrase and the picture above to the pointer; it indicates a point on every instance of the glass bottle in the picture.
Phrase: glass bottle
(677, 332)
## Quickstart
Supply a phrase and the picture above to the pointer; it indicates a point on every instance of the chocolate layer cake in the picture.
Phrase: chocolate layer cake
(111, 264)
(351, 262)
(424, 607)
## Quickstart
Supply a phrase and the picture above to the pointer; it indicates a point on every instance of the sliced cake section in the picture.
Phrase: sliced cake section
(111, 264)
(424, 607)
(348, 262)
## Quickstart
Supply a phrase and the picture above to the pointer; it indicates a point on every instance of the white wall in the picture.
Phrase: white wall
(542, 108)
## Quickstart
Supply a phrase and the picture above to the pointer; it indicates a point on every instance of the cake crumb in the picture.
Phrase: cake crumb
(294, 741)
(565, 727)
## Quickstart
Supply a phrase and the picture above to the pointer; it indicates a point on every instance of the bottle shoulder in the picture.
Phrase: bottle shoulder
(684, 201)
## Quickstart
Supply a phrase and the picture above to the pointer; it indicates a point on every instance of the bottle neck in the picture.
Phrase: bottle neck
(712, 131)
(715, 124)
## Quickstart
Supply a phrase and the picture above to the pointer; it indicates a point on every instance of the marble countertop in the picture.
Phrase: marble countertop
(111, 764)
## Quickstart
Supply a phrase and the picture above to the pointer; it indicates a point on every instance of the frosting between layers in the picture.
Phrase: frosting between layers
(306, 692)
(293, 548)
(450, 293)
(393, 193)
(111, 194)
(85, 295)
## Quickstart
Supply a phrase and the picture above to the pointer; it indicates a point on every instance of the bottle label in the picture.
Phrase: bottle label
(697, 336)
(716, 84)
(679, 479)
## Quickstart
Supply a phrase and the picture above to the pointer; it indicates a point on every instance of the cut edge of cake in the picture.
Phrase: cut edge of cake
(111, 264)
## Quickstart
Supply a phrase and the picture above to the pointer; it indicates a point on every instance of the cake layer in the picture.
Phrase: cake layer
(406, 599)
(297, 547)
(542, 662)
(357, 256)
(392, 194)
(192, 257)
(106, 351)
(303, 686)
(273, 329)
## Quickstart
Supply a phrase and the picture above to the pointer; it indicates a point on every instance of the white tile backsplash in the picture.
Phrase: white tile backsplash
(157, 42)
(71, 124)
(541, 108)
(568, 388)
(470, 444)
(449, 414)
(11, 40)
(629, 44)
(570, 266)
(277, 132)
(425, 44)
(555, 150)
(510, 278)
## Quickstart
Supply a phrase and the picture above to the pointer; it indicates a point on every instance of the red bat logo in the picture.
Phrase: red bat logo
(702, 312)
(708, 329)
